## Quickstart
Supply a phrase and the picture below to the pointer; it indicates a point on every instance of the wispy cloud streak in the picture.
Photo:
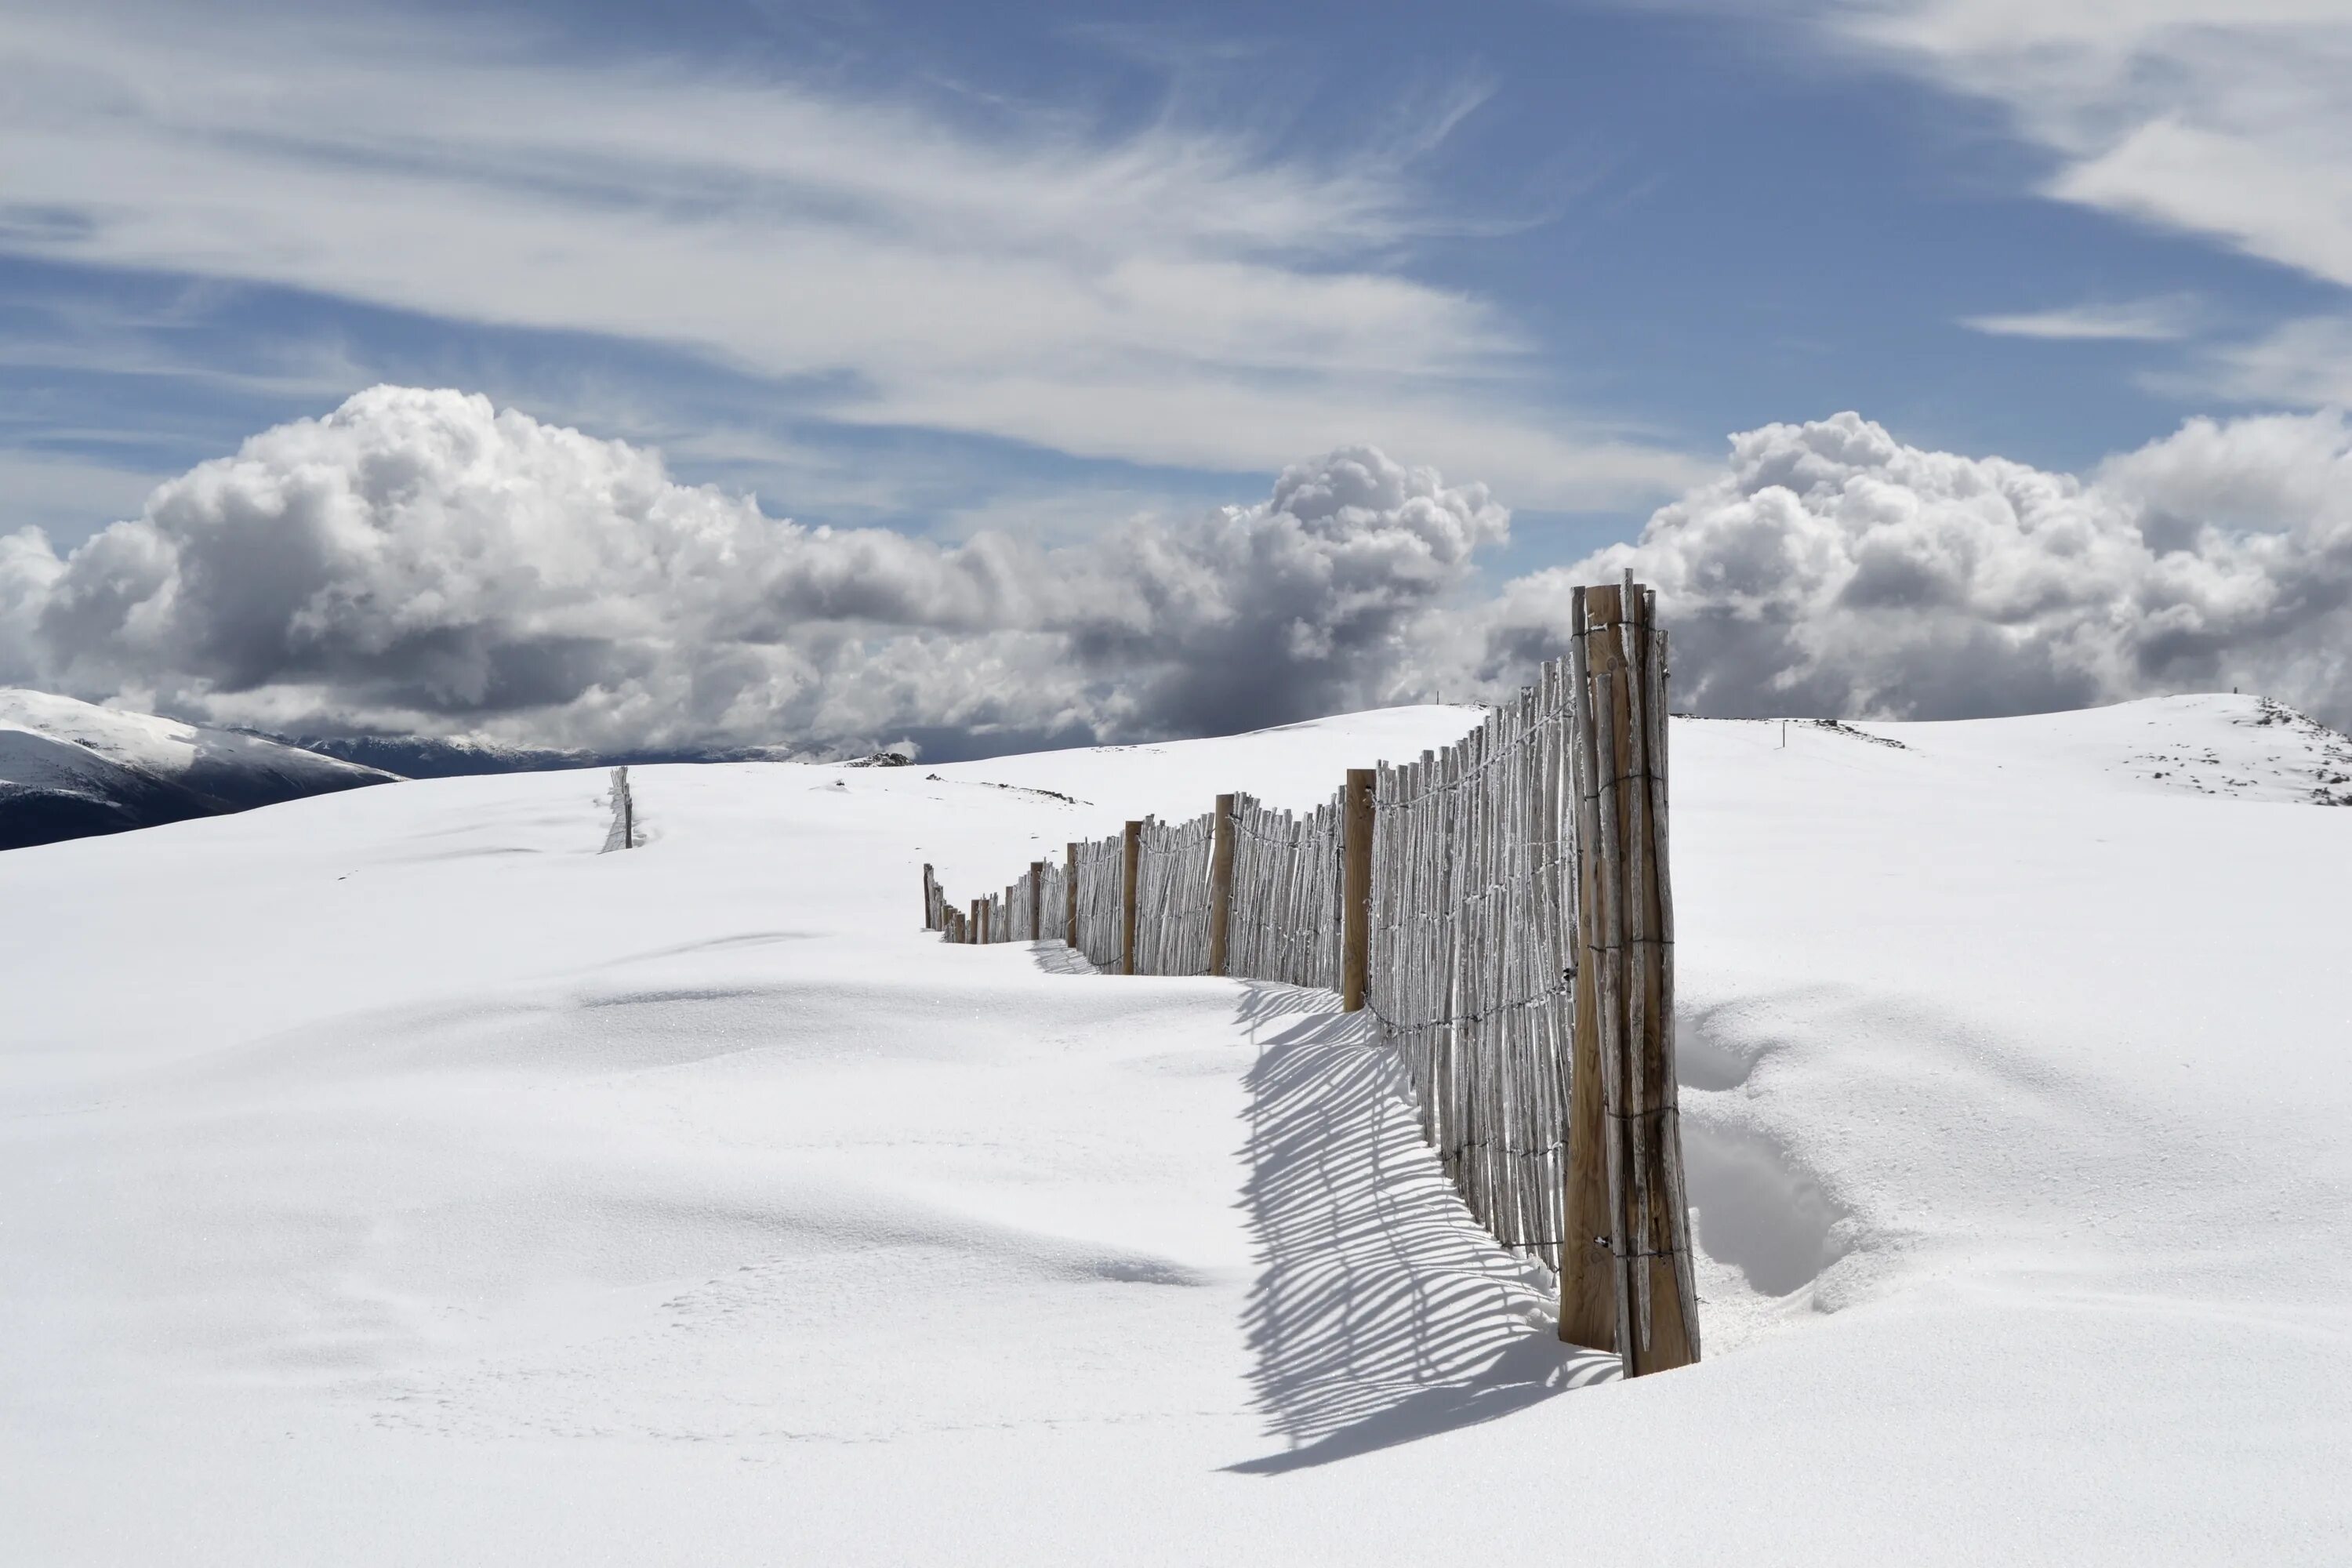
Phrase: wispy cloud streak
(1173, 294)
(2141, 320)
(2227, 119)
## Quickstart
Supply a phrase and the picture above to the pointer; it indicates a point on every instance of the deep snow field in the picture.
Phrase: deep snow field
(392, 1177)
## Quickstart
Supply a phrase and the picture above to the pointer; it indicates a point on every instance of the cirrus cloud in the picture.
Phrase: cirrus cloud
(2228, 119)
(1171, 293)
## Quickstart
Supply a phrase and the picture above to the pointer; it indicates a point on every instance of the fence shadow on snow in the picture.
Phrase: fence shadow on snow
(1381, 1312)
(1498, 919)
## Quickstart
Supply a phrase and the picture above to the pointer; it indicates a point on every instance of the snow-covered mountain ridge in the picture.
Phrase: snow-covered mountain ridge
(391, 1176)
(70, 769)
(428, 757)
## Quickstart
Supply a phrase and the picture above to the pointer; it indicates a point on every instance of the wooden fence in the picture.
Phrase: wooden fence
(1502, 909)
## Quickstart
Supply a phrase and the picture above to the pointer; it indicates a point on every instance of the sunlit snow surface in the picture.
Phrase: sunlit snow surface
(162, 746)
(391, 1177)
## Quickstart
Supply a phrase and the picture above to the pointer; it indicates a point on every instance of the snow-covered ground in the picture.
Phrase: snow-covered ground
(390, 1177)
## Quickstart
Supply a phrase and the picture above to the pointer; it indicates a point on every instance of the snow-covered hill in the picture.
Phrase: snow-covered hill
(391, 1177)
(70, 768)
(427, 757)
(431, 757)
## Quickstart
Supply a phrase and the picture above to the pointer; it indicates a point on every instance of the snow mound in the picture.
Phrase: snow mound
(2240, 748)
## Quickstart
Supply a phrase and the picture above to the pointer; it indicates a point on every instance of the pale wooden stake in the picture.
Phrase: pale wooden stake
(1355, 888)
(627, 803)
(1587, 1274)
(1669, 1307)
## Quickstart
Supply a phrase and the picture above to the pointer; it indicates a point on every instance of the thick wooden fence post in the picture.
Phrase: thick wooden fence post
(1131, 857)
(1037, 899)
(1221, 883)
(1356, 889)
(978, 927)
(1627, 1218)
(1070, 899)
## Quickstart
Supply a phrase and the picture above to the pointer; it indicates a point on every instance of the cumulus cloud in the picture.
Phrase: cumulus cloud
(421, 561)
(1834, 569)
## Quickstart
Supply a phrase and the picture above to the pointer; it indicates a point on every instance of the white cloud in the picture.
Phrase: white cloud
(2137, 320)
(2304, 362)
(418, 560)
(28, 570)
(1833, 570)
(1177, 294)
(2230, 119)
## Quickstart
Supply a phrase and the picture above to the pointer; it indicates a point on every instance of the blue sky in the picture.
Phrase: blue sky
(1037, 266)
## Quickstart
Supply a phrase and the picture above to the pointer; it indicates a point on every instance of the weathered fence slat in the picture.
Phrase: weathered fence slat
(1356, 887)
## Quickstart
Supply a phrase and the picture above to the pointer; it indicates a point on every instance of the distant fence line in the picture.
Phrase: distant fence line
(1502, 908)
